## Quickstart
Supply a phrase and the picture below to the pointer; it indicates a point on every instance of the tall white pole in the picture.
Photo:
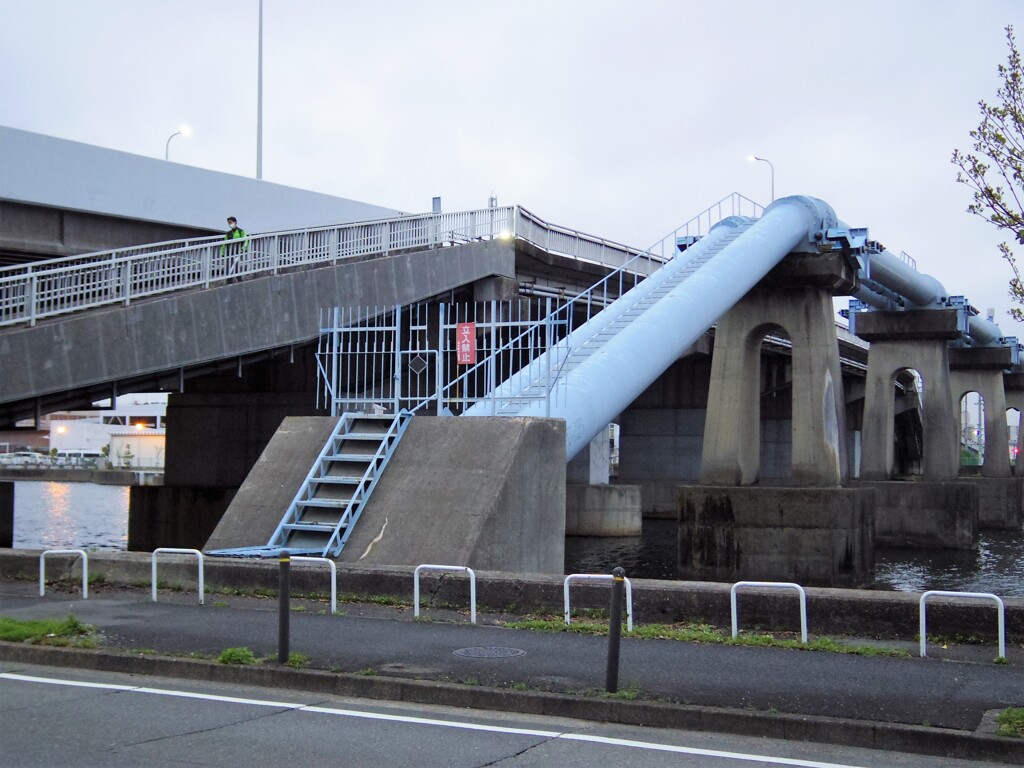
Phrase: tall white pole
(259, 101)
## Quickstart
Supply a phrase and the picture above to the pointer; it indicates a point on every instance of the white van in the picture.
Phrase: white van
(78, 458)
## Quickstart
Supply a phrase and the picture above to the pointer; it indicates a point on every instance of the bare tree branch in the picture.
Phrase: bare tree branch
(995, 175)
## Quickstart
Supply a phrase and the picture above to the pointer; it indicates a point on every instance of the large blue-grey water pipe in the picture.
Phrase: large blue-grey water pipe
(920, 291)
(614, 374)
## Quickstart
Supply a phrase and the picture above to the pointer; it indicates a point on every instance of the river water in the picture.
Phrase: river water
(84, 515)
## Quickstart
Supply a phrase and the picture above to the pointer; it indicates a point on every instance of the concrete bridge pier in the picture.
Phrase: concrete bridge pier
(935, 510)
(980, 369)
(805, 527)
(594, 507)
(216, 431)
(6, 514)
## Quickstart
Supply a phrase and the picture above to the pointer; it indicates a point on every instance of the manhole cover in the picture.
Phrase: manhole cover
(489, 652)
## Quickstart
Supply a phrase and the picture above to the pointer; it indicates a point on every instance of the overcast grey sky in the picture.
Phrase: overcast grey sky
(622, 119)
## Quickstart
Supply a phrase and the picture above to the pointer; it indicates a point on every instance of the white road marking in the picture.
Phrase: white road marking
(626, 743)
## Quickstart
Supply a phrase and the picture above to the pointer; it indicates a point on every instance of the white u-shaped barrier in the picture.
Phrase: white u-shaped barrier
(598, 577)
(1000, 615)
(334, 575)
(454, 568)
(770, 585)
(177, 551)
(85, 569)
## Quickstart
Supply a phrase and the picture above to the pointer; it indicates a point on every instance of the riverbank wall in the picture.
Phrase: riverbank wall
(861, 613)
(68, 475)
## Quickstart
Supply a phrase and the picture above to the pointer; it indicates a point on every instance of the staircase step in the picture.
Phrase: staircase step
(368, 457)
(324, 503)
(336, 480)
(325, 528)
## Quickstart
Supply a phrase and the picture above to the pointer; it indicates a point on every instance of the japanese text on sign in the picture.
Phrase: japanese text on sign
(465, 344)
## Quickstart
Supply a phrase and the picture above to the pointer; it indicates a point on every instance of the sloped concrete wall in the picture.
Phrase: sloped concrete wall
(488, 493)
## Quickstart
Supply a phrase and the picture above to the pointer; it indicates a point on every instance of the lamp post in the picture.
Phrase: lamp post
(763, 160)
(259, 99)
(183, 131)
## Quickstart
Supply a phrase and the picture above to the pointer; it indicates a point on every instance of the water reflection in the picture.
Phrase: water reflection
(996, 565)
(59, 515)
(62, 515)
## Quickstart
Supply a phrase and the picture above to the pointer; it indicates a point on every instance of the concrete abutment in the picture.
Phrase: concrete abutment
(810, 536)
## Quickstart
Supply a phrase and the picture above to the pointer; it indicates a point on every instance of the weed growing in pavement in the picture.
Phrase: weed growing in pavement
(1011, 722)
(705, 633)
(368, 672)
(297, 660)
(61, 632)
(236, 656)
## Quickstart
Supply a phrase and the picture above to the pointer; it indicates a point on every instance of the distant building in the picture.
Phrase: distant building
(137, 448)
(95, 430)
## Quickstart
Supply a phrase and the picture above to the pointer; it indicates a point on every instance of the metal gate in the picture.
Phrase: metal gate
(389, 359)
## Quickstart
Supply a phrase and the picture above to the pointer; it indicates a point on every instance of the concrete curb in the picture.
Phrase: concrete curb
(824, 730)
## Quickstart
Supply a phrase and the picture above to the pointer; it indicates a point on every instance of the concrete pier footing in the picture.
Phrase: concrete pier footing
(922, 514)
(602, 510)
(811, 536)
(6, 514)
(1000, 502)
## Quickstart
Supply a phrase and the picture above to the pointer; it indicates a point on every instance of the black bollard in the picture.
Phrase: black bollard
(611, 684)
(284, 588)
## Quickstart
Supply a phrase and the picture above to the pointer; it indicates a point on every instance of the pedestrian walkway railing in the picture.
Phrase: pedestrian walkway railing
(769, 585)
(449, 568)
(85, 569)
(1000, 615)
(178, 551)
(334, 575)
(597, 577)
(30, 292)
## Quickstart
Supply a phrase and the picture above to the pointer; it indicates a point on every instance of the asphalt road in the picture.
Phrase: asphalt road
(59, 717)
(385, 641)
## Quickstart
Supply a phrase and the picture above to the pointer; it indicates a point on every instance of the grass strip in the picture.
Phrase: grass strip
(705, 633)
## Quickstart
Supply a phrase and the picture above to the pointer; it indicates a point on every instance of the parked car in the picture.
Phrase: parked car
(23, 459)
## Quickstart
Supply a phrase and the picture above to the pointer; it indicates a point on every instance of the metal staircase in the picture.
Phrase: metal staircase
(331, 498)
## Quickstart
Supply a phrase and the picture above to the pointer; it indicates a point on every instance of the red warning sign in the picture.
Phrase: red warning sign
(465, 344)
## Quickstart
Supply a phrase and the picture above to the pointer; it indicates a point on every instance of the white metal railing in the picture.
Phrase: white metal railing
(770, 585)
(450, 568)
(334, 575)
(178, 551)
(85, 569)
(1000, 615)
(59, 286)
(597, 577)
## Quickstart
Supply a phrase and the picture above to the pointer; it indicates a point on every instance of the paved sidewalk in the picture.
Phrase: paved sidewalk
(952, 690)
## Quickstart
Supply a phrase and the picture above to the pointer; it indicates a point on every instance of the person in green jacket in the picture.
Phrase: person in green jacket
(235, 250)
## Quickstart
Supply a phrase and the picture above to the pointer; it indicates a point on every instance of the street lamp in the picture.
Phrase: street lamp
(259, 99)
(183, 131)
(763, 160)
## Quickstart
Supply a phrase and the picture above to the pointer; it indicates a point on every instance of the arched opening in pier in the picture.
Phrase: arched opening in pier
(908, 423)
(1013, 433)
(775, 403)
(971, 418)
